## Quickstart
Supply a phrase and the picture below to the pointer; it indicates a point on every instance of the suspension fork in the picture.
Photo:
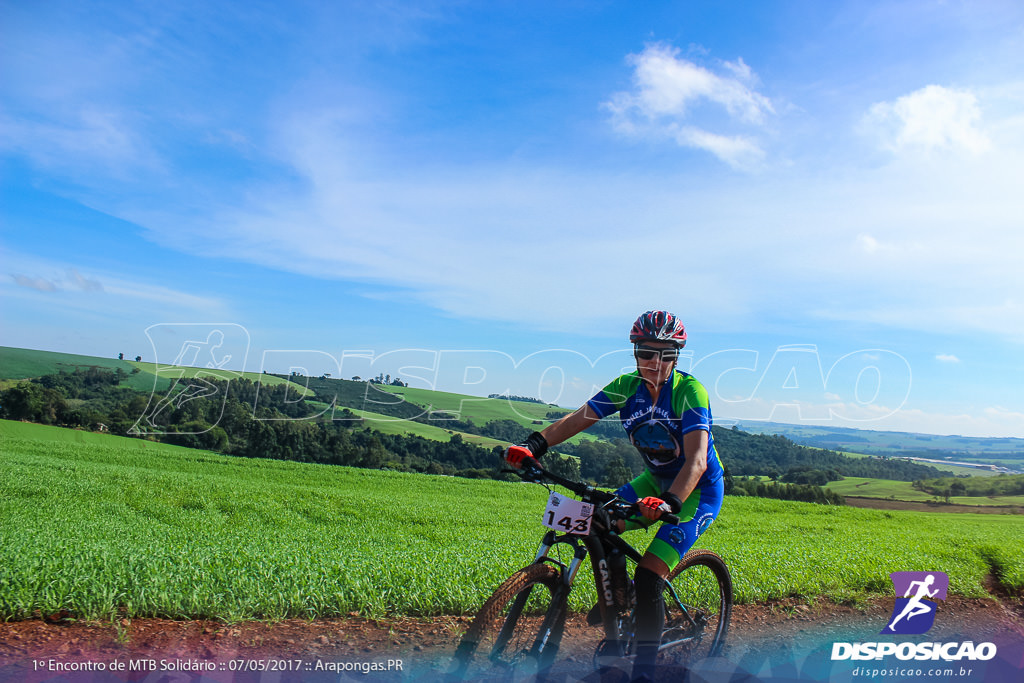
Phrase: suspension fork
(568, 572)
(578, 554)
(550, 630)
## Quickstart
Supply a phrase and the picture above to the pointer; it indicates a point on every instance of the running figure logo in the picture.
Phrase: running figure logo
(914, 613)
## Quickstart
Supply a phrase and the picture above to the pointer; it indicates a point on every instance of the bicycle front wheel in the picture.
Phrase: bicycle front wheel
(698, 604)
(518, 630)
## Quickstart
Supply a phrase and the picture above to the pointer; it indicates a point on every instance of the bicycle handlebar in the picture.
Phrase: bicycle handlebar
(617, 507)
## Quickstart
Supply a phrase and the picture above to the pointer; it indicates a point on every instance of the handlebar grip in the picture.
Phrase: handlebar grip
(666, 517)
(531, 470)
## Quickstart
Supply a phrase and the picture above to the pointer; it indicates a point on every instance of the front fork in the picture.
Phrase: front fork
(610, 576)
(550, 634)
(578, 554)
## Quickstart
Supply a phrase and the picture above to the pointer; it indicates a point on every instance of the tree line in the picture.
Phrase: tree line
(810, 493)
(239, 417)
(999, 485)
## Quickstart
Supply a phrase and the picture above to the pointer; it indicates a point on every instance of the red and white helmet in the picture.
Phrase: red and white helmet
(658, 326)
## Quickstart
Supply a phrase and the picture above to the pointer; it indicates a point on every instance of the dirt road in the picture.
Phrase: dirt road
(789, 640)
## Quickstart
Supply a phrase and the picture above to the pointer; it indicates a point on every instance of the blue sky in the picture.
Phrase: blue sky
(481, 197)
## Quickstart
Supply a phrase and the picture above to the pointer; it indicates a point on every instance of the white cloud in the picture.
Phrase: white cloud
(947, 358)
(84, 283)
(73, 280)
(737, 151)
(82, 144)
(37, 283)
(933, 117)
(102, 291)
(872, 246)
(669, 89)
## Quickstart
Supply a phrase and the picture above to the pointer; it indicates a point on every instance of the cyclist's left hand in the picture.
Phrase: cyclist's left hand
(651, 507)
(517, 456)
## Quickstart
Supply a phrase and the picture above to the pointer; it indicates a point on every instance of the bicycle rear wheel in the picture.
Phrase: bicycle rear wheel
(518, 630)
(698, 604)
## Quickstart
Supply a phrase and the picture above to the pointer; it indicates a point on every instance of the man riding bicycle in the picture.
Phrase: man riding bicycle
(667, 416)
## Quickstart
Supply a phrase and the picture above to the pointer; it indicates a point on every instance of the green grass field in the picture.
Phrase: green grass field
(17, 364)
(386, 424)
(173, 372)
(902, 490)
(102, 525)
(391, 425)
(480, 410)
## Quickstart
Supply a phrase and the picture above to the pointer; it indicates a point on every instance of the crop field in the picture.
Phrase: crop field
(480, 410)
(174, 372)
(27, 363)
(103, 526)
(902, 490)
(387, 424)
(391, 425)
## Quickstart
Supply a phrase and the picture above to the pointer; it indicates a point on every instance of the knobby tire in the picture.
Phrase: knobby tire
(518, 630)
(698, 613)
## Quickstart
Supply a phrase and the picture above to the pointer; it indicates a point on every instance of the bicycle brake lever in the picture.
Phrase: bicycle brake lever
(667, 517)
(531, 473)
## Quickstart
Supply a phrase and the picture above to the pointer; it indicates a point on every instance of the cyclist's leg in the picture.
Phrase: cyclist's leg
(699, 510)
(668, 546)
(646, 484)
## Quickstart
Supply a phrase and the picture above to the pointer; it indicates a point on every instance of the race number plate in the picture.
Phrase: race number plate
(568, 515)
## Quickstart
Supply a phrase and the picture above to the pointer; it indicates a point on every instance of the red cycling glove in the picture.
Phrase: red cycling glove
(534, 447)
(651, 507)
(515, 455)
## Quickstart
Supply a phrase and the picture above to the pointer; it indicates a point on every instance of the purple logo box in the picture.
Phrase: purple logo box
(917, 594)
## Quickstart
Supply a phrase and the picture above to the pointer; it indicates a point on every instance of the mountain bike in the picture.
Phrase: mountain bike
(519, 629)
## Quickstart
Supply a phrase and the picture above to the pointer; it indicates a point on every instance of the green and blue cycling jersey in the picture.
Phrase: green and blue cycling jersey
(656, 430)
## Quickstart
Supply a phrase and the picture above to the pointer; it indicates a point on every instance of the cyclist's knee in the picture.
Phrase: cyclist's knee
(655, 564)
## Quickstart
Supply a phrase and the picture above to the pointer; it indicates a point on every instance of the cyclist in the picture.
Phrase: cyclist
(667, 416)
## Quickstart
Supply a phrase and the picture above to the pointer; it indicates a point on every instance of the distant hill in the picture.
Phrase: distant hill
(17, 364)
(199, 413)
(1006, 452)
(28, 363)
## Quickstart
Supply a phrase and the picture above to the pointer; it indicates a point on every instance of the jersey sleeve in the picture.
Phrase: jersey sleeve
(611, 399)
(690, 401)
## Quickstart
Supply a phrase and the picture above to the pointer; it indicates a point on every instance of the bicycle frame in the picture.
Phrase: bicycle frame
(609, 554)
(612, 604)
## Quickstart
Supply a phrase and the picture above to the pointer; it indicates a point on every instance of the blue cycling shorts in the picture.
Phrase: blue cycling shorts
(698, 512)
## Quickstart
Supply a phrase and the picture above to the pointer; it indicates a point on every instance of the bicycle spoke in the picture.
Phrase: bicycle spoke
(698, 602)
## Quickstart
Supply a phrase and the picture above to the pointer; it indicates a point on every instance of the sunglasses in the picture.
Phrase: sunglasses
(650, 353)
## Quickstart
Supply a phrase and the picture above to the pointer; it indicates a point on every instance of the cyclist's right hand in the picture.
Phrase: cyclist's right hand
(652, 507)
